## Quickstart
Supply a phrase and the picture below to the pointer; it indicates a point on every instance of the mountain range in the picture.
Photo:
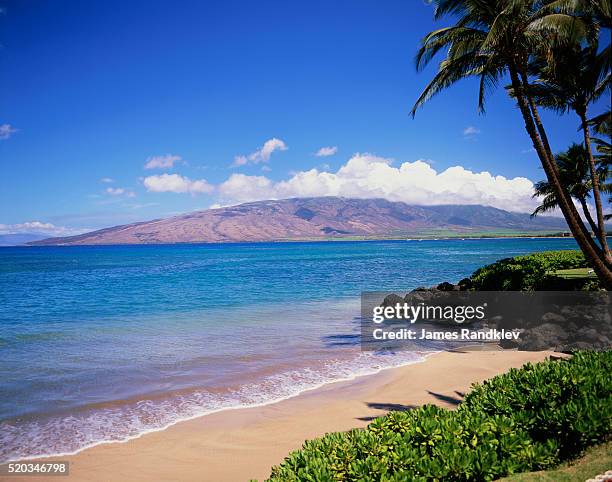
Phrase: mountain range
(317, 218)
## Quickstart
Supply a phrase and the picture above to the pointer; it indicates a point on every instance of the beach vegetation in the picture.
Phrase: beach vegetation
(527, 419)
(532, 272)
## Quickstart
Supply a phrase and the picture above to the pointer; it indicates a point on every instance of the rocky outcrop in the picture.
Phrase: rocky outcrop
(574, 321)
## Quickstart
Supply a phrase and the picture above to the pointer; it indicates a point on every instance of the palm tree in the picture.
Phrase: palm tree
(604, 149)
(488, 40)
(573, 79)
(600, 10)
(602, 124)
(574, 171)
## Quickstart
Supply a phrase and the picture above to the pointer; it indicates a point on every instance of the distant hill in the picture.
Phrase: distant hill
(17, 239)
(317, 218)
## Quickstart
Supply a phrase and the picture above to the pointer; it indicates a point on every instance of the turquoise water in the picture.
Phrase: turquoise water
(106, 343)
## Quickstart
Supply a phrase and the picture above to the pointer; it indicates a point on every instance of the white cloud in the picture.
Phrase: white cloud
(6, 131)
(176, 183)
(471, 131)
(240, 161)
(326, 151)
(369, 176)
(107, 180)
(261, 155)
(119, 191)
(38, 227)
(162, 162)
(243, 188)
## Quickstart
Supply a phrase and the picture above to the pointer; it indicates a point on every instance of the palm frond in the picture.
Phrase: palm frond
(450, 72)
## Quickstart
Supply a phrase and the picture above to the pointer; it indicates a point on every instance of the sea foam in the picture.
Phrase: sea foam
(58, 435)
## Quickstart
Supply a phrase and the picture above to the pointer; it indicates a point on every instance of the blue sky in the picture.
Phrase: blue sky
(93, 91)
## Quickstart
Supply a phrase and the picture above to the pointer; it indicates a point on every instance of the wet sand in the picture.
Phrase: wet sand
(242, 444)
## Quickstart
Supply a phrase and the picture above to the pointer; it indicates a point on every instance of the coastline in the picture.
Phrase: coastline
(354, 375)
(338, 239)
(244, 443)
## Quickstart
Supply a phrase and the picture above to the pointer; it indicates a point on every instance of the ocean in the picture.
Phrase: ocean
(106, 343)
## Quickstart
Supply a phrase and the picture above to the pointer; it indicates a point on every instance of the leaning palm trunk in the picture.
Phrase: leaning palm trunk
(587, 215)
(597, 229)
(538, 122)
(535, 116)
(601, 227)
(540, 127)
(591, 251)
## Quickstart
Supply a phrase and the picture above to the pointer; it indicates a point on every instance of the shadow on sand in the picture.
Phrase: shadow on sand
(385, 407)
(398, 407)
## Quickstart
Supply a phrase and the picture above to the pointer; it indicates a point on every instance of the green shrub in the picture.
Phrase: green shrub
(527, 419)
(429, 443)
(526, 273)
(569, 402)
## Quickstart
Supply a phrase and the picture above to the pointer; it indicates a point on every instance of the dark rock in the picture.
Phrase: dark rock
(392, 300)
(465, 284)
(544, 337)
(445, 286)
(553, 318)
(495, 321)
(587, 334)
(575, 346)
(509, 343)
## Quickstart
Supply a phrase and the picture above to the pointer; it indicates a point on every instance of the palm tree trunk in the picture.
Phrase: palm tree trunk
(596, 193)
(588, 247)
(551, 158)
(553, 164)
(538, 121)
(587, 215)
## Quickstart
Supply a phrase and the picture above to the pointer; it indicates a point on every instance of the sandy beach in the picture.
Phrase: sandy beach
(242, 444)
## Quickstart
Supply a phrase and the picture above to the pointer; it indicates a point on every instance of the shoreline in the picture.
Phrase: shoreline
(241, 443)
(305, 240)
(458, 237)
(205, 413)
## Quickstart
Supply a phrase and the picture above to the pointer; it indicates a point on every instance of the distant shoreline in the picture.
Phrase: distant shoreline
(320, 240)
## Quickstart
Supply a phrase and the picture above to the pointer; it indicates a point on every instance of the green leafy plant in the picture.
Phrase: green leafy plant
(526, 273)
(570, 402)
(527, 419)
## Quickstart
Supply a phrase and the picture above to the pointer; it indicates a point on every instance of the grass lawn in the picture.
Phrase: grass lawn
(574, 273)
(596, 460)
